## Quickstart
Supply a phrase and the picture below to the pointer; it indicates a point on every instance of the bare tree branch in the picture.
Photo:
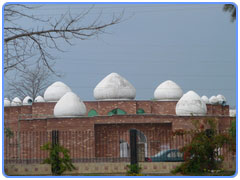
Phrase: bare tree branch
(22, 45)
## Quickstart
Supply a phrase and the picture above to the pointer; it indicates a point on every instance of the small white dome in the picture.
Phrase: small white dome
(213, 100)
(221, 99)
(16, 102)
(55, 91)
(168, 91)
(27, 101)
(7, 102)
(232, 112)
(191, 104)
(39, 99)
(205, 99)
(69, 105)
(114, 87)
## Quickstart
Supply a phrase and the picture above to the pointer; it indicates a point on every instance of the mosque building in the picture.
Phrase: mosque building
(115, 109)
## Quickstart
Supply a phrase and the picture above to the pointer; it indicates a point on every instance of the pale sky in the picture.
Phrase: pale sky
(191, 44)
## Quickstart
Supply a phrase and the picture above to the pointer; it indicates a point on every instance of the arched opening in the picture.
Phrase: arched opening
(92, 113)
(117, 111)
(140, 111)
(30, 101)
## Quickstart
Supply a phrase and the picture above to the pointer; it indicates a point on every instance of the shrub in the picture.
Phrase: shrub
(8, 132)
(232, 134)
(202, 152)
(59, 158)
(134, 170)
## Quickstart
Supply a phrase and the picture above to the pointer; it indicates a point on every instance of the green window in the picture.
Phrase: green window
(140, 111)
(92, 113)
(116, 111)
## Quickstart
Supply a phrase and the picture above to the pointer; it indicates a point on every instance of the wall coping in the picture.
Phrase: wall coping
(126, 116)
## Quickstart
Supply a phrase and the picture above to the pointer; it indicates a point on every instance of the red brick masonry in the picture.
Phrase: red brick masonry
(158, 116)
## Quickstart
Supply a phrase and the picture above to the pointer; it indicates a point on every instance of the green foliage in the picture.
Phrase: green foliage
(232, 134)
(202, 152)
(134, 170)
(59, 158)
(232, 129)
(8, 132)
(232, 9)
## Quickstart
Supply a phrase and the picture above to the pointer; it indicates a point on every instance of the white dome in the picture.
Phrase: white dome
(55, 91)
(221, 99)
(168, 91)
(16, 102)
(39, 99)
(205, 99)
(7, 102)
(114, 87)
(213, 100)
(191, 104)
(27, 101)
(232, 112)
(69, 105)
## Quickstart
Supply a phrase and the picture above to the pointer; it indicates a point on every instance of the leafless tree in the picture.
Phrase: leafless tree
(32, 82)
(24, 45)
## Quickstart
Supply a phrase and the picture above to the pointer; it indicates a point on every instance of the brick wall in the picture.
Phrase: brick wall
(104, 107)
(35, 119)
(217, 109)
(87, 123)
(12, 114)
(104, 131)
(41, 110)
(164, 107)
(107, 137)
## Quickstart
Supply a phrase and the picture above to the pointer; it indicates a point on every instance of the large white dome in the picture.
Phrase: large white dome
(16, 102)
(27, 100)
(114, 87)
(168, 91)
(191, 104)
(205, 99)
(69, 105)
(55, 91)
(221, 99)
(7, 102)
(39, 99)
(213, 100)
